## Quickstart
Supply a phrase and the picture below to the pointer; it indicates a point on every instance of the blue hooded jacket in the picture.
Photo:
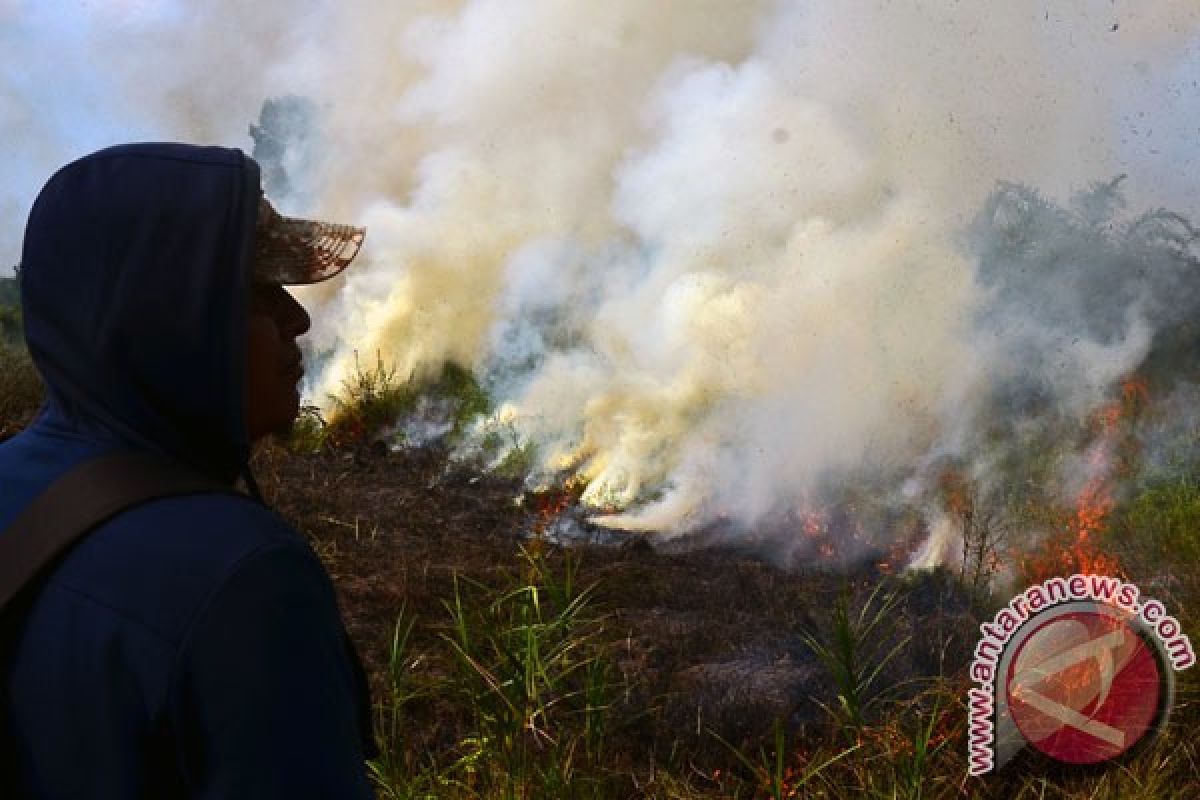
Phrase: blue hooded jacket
(192, 646)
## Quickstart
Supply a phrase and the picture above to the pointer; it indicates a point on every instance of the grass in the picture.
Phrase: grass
(855, 651)
(10, 324)
(528, 668)
(1160, 526)
(21, 391)
(524, 665)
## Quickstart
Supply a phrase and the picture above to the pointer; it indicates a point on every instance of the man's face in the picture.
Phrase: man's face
(273, 362)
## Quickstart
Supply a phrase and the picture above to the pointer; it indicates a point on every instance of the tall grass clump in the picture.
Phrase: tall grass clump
(464, 394)
(877, 741)
(370, 400)
(526, 665)
(374, 403)
(308, 434)
(531, 669)
(399, 771)
(855, 651)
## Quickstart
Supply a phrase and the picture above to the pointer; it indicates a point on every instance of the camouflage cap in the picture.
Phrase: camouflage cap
(294, 251)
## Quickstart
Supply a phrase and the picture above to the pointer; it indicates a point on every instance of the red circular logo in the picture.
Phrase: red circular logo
(1084, 687)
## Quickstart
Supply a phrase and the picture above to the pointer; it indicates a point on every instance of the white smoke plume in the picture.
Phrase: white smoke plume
(704, 252)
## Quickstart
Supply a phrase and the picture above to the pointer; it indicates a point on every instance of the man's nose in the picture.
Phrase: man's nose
(298, 320)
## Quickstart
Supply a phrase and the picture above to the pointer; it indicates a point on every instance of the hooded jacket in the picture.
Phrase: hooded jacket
(191, 646)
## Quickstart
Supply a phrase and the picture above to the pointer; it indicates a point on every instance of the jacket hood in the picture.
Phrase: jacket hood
(134, 284)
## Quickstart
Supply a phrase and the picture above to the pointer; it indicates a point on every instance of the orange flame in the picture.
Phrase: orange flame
(1112, 456)
(1093, 506)
(814, 525)
(548, 506)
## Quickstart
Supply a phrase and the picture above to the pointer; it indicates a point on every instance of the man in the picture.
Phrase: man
(190, 646)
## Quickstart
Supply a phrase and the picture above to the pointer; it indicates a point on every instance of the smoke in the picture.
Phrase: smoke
(705, 255)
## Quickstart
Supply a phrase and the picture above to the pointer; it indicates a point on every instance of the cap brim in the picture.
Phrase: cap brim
(298, 251)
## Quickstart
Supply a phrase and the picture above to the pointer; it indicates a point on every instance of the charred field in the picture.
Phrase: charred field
(707, 648)
(711, 636)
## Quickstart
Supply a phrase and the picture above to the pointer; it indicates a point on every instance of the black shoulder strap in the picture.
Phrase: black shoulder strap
(88, 495)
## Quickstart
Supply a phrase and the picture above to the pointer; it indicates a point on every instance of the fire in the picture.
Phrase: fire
(1112, 457)
(549, 505)
(814, 525)
(1093, 506)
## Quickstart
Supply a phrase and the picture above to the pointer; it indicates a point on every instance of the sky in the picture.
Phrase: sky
(81, 74)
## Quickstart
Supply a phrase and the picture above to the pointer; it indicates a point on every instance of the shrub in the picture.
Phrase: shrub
(10, 326)
(21, 392)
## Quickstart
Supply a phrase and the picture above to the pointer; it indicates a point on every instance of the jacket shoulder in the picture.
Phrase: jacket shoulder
(158, 563)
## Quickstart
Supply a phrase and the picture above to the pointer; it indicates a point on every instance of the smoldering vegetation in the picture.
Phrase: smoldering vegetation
(1083, 368)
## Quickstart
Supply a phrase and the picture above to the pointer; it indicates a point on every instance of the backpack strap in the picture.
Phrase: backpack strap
(75, 504)
(83, 498)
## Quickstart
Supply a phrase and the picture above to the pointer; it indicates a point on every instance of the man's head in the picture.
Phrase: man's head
(286, 251)
(152, 286)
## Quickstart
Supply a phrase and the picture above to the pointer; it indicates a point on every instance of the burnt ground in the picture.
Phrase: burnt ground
(705, 639)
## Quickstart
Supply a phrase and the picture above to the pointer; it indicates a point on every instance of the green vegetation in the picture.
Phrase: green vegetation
(526, 669)
(371, 400)
(374, 405)
(855, 650)
(10, 313)
(1160, 527)
(10, 294)
(10, 325)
